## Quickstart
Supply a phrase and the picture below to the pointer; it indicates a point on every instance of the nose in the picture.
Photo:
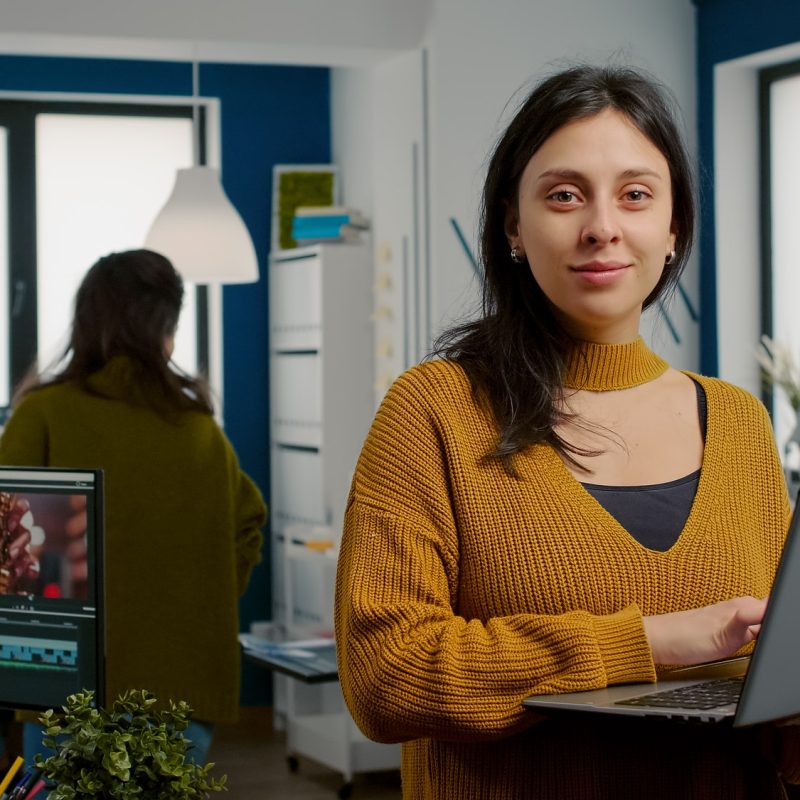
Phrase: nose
(601, 225)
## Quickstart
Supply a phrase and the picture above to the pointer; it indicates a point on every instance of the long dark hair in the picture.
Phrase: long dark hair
(515, 353)
(128, 304)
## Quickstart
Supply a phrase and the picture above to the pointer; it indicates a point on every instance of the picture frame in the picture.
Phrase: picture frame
(296, 185)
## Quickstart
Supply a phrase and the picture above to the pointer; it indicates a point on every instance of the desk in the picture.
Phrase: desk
(308, 661)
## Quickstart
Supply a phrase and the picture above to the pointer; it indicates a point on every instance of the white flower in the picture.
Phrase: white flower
(779, 367)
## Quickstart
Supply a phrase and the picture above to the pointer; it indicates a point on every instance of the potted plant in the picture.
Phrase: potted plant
(779, 367)
(131, 751)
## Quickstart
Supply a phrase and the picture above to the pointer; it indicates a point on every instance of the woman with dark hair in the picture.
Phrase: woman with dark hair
(128, 304)
(548, 506)
(183, 522)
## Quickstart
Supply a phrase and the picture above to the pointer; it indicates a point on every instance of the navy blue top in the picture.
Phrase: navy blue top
(654, 514)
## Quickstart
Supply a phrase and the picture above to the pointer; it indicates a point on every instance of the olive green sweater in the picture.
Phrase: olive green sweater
(182, 532)
(461, 590)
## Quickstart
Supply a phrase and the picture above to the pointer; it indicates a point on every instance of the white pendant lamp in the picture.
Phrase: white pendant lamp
(199, 230)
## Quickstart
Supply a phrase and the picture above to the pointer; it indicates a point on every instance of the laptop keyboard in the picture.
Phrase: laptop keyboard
(701, 696)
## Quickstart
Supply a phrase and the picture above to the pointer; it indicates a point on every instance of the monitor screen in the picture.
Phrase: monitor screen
(51, 585)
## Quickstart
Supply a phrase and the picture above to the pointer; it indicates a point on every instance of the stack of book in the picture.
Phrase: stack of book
(323, 224)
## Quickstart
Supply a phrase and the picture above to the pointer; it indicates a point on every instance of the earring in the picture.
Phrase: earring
(516, 256)
(670, 258)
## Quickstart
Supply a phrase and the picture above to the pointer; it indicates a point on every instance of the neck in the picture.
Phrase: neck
(596, 367)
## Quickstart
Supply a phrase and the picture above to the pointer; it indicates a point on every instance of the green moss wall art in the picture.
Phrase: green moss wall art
(303, 187)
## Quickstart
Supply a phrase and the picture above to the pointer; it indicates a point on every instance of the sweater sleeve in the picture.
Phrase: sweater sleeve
(252, 514)
(410, 666)
(25, 439)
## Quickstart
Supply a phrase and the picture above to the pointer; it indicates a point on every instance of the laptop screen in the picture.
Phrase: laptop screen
(51, 631)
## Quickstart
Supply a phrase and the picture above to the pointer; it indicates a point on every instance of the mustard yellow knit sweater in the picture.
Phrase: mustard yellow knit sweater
(461, 590)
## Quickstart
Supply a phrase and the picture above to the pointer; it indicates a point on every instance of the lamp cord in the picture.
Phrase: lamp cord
(195, 114)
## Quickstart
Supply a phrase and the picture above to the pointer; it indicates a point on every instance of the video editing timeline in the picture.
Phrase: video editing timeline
(51, 633)
(39, 656)
(49, 653)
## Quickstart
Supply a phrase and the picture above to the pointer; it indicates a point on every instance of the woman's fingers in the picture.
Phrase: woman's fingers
(704, 634)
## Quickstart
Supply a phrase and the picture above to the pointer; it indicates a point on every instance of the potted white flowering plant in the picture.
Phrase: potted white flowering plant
(780, 368)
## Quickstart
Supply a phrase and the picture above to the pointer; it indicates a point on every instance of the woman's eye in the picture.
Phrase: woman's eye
(562, 196)
(637, 195)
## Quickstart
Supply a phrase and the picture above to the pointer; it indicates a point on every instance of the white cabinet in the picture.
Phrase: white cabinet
(317, 723)
(321, 386)
(321, 406)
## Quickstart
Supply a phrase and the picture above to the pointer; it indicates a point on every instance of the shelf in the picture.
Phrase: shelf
(310, 250)
(321, 405)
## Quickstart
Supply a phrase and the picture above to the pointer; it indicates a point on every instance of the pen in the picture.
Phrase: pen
(19, 789)
(37, 787)
(12, 771)
(22, 788)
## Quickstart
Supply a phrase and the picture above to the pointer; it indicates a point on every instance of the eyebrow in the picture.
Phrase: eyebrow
(575, 175)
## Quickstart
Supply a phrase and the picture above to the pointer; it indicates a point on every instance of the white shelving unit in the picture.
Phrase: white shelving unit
(320, 385)
(321, 399)
(317, 723)
(334, 740)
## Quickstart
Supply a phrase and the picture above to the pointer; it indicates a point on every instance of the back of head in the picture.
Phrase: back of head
(127, 304)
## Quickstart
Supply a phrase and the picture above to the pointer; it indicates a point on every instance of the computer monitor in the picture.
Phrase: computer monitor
(51, 625)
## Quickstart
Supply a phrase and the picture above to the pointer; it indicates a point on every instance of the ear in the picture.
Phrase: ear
(511, 224)
(673, 237)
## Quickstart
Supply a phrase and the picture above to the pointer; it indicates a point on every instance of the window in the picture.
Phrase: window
(84, 180)
(780, 179)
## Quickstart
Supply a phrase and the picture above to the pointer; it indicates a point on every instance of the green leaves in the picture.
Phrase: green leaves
(133, 751)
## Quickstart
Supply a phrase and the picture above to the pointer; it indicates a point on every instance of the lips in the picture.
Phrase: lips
(600, 273)
(599, 266)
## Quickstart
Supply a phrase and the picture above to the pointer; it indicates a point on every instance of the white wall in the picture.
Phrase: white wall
(352, 134)
(390, 104)
(479, 58)
(481, 54)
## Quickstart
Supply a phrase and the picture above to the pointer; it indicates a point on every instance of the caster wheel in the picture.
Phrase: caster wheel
(292, 763)
(345, 791)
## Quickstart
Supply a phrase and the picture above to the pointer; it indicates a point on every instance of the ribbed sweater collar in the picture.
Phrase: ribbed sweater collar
(119, 379)
(605, 367)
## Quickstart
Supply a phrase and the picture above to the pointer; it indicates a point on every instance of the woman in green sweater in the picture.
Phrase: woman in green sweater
(183, 522)
(549, 507)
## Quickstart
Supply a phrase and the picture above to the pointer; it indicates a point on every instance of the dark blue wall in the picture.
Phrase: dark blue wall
(727, 29)
(269, 115)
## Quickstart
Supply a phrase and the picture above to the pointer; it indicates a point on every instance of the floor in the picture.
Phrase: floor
(253, 757)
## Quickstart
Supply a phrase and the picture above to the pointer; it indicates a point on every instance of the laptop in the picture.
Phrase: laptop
(738, 691)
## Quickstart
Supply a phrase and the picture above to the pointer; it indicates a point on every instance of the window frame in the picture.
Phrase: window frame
(767, 76)
(18, 116)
